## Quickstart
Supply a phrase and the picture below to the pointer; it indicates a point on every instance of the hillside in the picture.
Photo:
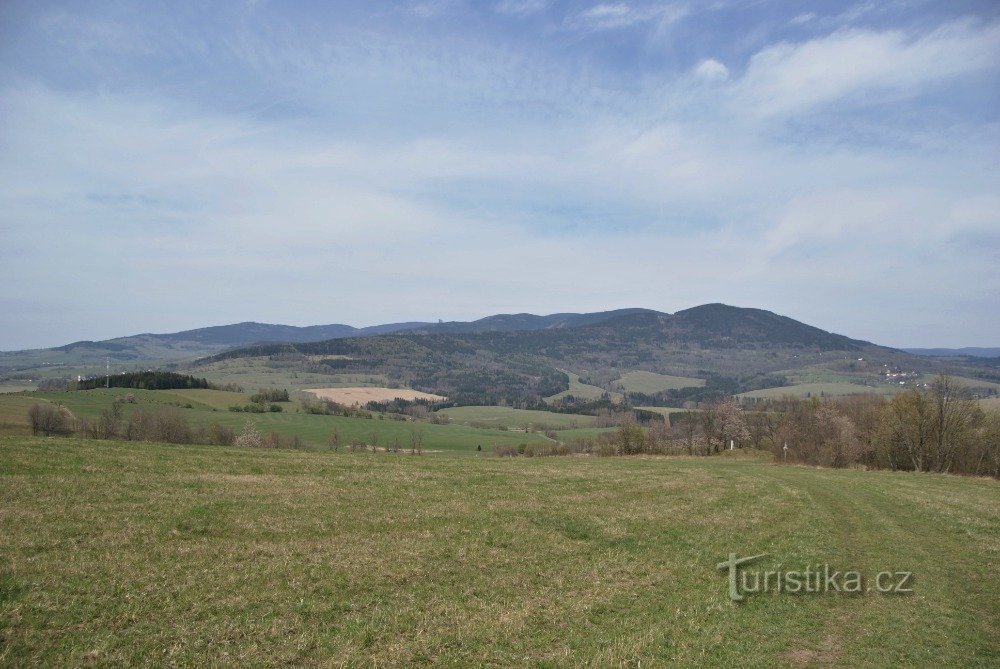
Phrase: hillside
(512, 358)
(726, 349)
(186, 344)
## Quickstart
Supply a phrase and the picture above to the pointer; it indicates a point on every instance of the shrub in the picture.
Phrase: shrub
(47, 419)
(219, 435)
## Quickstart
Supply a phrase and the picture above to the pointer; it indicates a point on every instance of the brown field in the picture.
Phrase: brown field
(363, 395)
(990, 403)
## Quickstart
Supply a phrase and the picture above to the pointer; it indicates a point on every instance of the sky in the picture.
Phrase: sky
(172, 165)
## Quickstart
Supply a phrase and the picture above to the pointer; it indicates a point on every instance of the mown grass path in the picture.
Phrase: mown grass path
(140, 554)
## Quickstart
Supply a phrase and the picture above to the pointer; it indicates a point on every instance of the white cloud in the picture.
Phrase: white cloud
(611, 16)
(711, 70)
(520, 8)
(859, 66)
(423, 179)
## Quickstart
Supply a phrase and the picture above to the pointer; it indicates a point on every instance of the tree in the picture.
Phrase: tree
(416, 441)
(955, 415)
(926, 431)
(688, 425)
(630, 438)
(333, 441)
(109, 422)
(250, 437)
(46, 419)
(732, 424)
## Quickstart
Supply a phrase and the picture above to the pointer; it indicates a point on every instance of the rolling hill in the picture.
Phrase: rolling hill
(733, 349)
(511, 358)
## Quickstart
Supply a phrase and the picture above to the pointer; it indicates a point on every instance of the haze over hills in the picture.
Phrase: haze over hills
(188, 344)
(971, 351)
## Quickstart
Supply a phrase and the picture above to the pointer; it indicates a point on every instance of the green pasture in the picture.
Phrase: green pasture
(137, 554)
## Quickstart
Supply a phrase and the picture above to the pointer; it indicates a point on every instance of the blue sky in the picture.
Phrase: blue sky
(175, 165)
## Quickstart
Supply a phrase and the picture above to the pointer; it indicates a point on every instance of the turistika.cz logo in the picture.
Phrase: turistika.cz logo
(814, 579)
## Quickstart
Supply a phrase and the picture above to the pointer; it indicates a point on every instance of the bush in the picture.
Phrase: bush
(219, 435)
(47, 419)
(166, 426)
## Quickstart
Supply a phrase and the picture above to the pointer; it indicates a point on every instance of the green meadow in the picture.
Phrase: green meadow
(203, 407)
(141, 554)
(519, 418)
(650, 382)
(581, 390)
(833, 389)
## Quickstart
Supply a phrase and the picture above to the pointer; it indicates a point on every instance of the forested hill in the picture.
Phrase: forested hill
(640, 334)
(745, 347)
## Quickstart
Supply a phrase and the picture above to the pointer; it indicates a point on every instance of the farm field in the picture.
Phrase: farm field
(990, 403)
(314, 430)
(360, 396)
(663, 411)
(253, 373)
(968, 382)
(650, 382)
(520, 418)
(819, 390)
(124, 554)
(582, 390)
(583, 432)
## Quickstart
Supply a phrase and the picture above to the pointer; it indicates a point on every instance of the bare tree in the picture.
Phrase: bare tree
(46, 419)
(416, 441)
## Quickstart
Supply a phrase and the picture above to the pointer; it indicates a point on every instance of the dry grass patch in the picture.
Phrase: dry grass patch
(359, 396)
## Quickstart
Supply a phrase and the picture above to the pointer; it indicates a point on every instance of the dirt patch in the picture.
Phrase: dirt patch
(363, 395)
(827, 653)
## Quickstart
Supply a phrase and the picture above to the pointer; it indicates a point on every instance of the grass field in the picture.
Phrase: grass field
(254, 373)
(968, 382)
(820, 390)
(520, 418)
(121, 554)
(362, 395)
(649, 382)
(209, 406)
(663, 411)
(581, 390)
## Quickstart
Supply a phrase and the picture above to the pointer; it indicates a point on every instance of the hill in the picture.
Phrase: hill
(724, 349)
(512, 358)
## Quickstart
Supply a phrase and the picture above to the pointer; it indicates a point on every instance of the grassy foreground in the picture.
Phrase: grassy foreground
(132, 553)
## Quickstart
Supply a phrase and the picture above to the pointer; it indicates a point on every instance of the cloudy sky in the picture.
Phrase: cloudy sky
(170, 165)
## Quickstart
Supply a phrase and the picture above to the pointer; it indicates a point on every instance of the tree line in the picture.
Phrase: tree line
(936, 429)
(148, 380)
